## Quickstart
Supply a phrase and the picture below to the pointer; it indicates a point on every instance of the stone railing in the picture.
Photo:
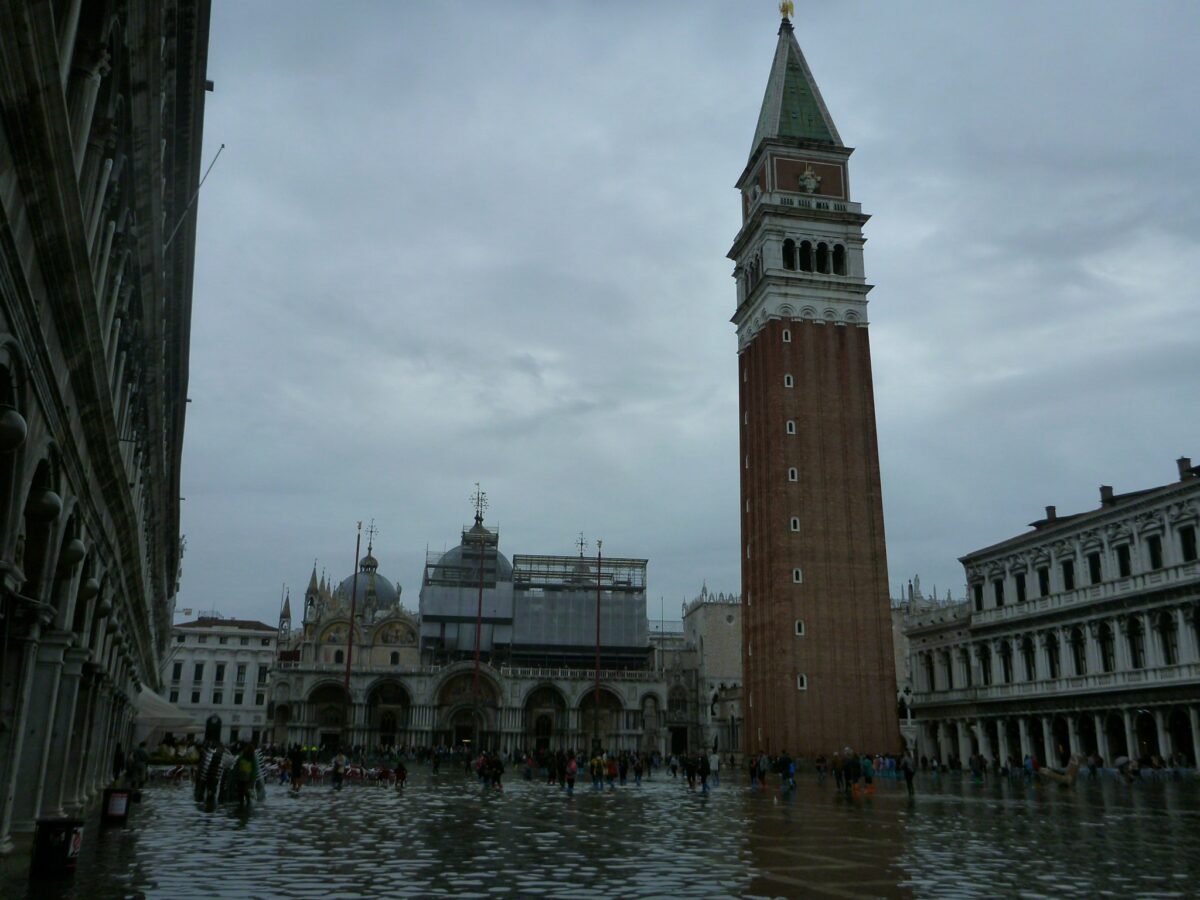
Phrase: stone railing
(579, 674)
(1091, 594)
(1186, 673)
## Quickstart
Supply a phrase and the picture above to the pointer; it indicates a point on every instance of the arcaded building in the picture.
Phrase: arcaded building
(1080, 636)
(817, 647)
(101, 114)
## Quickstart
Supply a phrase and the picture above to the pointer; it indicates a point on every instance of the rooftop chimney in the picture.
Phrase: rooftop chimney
(1185, 468)
(1106, 495)
(1051, 513)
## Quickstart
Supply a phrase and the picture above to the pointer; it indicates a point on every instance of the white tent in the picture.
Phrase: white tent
(156, 717)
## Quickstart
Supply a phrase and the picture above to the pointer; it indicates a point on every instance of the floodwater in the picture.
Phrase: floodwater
(443, 836)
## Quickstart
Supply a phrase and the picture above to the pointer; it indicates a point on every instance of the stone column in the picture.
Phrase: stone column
(981, 738)
(80, 739)
(61, 765)
(1002, 753)
(1072, 736)
(1042, 654)
(39, 724)
(1023, 728)
(1101, 737)
(1194, 719)
(1188, 652)
(964, 741)
(945, 747)
(1121, 640)
(1131, 742)
(1066, 656)
(1048, 742)
(1150, 647)
(1091, 636)
(1164, 738)
(23, 653)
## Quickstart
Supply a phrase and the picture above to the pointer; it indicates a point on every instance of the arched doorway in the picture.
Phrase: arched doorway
(468, 712)
(1037, 739)
(1062, 740)
(329, 707)
(1180, 729)
(1087, 734)
(388, 704)
(546, 718)
(602, 722)
(1146, 731)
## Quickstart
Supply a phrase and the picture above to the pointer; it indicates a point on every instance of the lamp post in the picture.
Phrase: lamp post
(596, 687)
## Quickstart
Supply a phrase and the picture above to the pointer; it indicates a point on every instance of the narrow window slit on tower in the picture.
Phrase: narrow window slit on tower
(802, 682)
(795, 523)
(793, 475)
(797, 576)
(791, 427)
(787, 336)
(799, 628)
(788, 381)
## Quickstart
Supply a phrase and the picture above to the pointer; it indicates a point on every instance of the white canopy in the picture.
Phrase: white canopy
(156, 717)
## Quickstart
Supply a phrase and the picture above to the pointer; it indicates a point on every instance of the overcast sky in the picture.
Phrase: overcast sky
(450, 243)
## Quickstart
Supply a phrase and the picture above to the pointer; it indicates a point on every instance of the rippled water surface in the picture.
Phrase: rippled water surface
(443, 836)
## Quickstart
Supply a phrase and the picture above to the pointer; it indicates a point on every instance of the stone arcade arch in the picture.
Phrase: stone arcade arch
(388, 708)
(605, 722)
(1179, 728)
(545, 718)
(464, 717)
(329, 715)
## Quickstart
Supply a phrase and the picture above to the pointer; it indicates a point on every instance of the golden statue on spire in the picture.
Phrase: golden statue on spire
(786, 9)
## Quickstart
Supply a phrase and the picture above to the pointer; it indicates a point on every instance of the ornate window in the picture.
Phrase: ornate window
(1030, 660)
(1168, 638)
(789, 254)
(1137, 643)
(806, 256)
(985, 664)
(1006, 667)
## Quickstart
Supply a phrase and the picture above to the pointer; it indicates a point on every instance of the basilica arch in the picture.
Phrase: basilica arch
(329, 709)
(545, 718)
(465, 717)
(389, 705)
(607, 723)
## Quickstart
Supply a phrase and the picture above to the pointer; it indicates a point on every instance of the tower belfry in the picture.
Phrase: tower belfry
(817, 647)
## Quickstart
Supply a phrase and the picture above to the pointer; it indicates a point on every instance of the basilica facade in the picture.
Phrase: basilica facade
(499, 654)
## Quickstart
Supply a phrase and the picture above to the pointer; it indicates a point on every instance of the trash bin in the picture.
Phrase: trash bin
(115, 808)
(56, 844)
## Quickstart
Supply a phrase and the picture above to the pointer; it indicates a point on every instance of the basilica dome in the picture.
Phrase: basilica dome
(453, 559)
(371, 584)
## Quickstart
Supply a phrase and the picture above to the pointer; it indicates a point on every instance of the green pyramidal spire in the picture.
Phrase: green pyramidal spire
(792, 106)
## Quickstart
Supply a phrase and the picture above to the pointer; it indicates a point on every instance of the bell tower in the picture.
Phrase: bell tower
(816, 633)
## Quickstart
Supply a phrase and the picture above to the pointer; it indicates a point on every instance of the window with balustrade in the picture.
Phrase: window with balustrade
(1006, 662)
(1154, 555)
(1168, 638)
(985, 664)
(1187, 543)
(1137, 643)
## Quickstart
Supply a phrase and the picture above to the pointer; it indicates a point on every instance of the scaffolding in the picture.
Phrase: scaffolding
(577, 573)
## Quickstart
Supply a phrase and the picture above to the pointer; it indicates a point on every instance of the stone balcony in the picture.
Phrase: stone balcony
(1100, 682)
(1086, 598)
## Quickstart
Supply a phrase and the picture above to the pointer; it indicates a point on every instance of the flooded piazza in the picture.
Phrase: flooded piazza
(443, 836)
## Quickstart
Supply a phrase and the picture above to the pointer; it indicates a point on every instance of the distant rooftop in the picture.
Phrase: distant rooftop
(238, 624)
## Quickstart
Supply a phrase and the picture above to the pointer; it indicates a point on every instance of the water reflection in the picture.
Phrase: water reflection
(443, 837)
